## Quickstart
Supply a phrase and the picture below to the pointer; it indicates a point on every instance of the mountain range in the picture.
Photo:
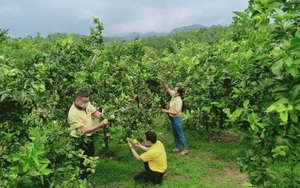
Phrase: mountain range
(134, 35)
(131, 36)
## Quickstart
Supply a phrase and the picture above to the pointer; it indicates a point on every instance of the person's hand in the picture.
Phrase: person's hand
(101, 125)
(161, 79)
(129, 144)
(164, 110)
(138, 144)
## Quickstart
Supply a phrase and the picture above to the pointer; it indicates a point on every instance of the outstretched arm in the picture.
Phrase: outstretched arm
(134, 153)
(165, 85)
(142, 147)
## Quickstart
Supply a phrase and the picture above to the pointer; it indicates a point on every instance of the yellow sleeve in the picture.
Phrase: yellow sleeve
(92, 109)
(147, 156)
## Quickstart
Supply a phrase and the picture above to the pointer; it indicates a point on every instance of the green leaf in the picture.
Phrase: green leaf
(245, 104)
(4, 96)
(297, 106)
(206, 109)
(295, 41)
(281, 105)
(61, 169)
(247, 185)
(252, 126)
(236, 114)
(293, 70)
(261, 125)
(255, 173)
(279, 150)
(291, 15)
(16, 157)
(283, 153)
(25, 167)
(227, 112)
(252, 118)
(271, 174)
(262, 135)
(295, 91)
(33, 173)
(46, 171)
(36, 160)
(294, 117)
(278, 17)
(44, 160)
(240, 14)
(288, 61)
(42, 167)
(273, 108)
(284, 116)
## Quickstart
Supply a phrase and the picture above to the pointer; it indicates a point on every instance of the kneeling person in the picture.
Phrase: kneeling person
(154, 158)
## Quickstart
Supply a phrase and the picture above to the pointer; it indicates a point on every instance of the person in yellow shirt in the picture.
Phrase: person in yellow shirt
(154, 158)
(81, 123)
(174, 113)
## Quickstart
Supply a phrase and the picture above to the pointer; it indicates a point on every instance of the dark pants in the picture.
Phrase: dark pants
(149, 176)
(87, 145)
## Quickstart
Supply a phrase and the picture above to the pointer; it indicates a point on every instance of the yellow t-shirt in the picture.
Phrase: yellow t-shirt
(80, 118)
(156, 157)
(176, 105)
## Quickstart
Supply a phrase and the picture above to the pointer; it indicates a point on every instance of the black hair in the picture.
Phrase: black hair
(151, 136)
(180, 91)
(82, 93)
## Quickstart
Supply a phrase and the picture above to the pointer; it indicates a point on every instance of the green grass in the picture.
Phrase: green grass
(208, 165)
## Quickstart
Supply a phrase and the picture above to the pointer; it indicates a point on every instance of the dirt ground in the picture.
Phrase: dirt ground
(234, 175)
(228, 173)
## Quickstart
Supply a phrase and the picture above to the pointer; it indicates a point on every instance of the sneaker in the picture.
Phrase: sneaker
(175, 150)
(184, 152)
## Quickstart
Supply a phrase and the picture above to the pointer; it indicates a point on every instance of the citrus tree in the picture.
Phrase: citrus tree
(246, 81)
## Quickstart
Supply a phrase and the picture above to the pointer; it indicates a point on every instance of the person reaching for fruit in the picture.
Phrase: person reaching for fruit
(175, 117)
(154, 158)
(80, 119)
(134, 141)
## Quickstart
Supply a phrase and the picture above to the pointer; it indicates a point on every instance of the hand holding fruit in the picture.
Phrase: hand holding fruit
(105, 122)
(101, 125)
(134, 141)
(129, 144)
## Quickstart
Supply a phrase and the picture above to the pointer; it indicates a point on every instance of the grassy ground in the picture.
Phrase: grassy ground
(208, 165)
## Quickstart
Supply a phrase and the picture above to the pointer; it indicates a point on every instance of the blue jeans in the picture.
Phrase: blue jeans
(176, 125)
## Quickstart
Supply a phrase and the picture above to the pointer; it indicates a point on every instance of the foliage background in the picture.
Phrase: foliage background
(243, 79)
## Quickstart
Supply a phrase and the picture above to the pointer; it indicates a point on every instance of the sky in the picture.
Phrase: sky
(25, 18)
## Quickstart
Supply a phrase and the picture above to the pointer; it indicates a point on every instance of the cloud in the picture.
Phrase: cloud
(27, 18)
